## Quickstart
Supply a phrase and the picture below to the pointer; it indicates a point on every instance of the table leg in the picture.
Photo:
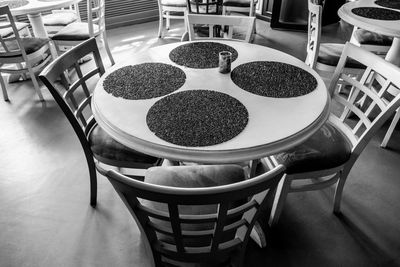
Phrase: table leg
(37, 25)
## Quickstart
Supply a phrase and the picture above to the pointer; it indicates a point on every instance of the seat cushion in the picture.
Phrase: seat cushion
(59, 19)
(175, 3)
(327, 148)
(238, 3)
(329, 54)
(371, 38)
(30, 44)
(77, 31)
(105, 147)
(6, 32)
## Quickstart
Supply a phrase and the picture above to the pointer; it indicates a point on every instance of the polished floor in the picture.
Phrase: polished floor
(46, 220)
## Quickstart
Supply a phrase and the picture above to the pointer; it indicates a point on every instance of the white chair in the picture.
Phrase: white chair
(232, 22)
(60, 18)
(20, 56)
(170, 9)
(77, 32)
(328, 156)
(241, 6)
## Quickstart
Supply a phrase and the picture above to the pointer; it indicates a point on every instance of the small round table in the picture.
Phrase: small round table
(385, 27)
(34, 8)
(274, 125)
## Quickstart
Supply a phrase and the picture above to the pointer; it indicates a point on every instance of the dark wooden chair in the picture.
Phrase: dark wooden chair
(200, 215)
(211, 7)
(75, 101)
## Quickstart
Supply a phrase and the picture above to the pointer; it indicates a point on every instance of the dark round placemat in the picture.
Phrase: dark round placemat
(273, 79)
(200, 55)
(388, 3)
(376, 13)
(197, 118)
(13, 3)
(144, 81)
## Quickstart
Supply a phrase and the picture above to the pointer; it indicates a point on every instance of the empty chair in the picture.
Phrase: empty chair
(212, 7)
(79, 31)
(20, 56)
(196, 214)
(60, 18)
(231, 22)
(241, 6)
(75, 101)
(170, 9)
(327, 157)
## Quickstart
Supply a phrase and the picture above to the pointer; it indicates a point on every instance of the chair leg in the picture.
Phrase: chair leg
(160, 24)
(105, 41)
(339, 191)
(167, 21)
(4, 88)
(35, 82)
(391, 129)
(280, 198)
(93, 180)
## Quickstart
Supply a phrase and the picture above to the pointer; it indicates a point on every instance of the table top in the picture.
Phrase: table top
(274, 124)
(385, 27)
(37, 6)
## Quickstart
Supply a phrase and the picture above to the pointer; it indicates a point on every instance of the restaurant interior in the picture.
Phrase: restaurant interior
(295, 161)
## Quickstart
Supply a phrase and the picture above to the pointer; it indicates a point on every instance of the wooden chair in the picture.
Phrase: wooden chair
(231, 22)
(196, 214)
(60, 18)
(75, 101)
(241, 6)
(328, 156)
(76, 32)
(20, 56)
(170, 9)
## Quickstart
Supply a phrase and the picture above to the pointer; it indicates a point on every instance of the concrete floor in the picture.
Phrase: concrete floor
(46, 220)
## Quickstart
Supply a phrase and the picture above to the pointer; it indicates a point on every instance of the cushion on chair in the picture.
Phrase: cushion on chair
(59, 19)
(5, 32)
(30, 44)
(238, 3)
(77, 31)
(104, 146)
(329, 54)
(175, 3)
(370, 38)
(327, 148)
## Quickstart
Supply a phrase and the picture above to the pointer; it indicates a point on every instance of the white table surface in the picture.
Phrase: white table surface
(275, 124)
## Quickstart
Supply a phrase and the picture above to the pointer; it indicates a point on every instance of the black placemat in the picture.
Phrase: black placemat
(13, 3)
(200, 55)
(144, 81)
(273, 79)
(376, 13)
(388, 3)
(197, 118)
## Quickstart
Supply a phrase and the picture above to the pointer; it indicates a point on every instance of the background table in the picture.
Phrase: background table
(275, 124)
(34, 8)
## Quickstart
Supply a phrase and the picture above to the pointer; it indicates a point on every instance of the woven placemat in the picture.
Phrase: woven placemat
(144, 81)
(388, 3)
(13, 3)
(200, 55)
(273, 79)
(197, 118)
(376, 13)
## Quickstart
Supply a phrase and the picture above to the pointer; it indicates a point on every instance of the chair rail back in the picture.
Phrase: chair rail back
(219, 234)
(205, 7)
(10, 45)
(96, 16)
(313, 33)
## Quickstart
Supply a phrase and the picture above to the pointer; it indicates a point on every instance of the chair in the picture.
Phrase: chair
(196, 214)
(75, 101)
(60, 18)
(170, 9)
(211, 7)
(241, 6)
(328, 156)
(76, 32)
(246, 23)
(22, 28)
(19, 56)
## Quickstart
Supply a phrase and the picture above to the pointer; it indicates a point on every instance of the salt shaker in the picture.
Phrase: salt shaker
(225, 59)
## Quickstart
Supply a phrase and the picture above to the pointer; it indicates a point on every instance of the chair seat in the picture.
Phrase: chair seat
(30, 44)
(327, 148)
(105, 147)
(174, 3)
(6, 32)
(329, 54)
(77, 31)
(370, 38)
(238, 3)
(59, 19)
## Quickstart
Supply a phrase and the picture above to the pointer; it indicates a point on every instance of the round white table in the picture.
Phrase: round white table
(385, 27)
(34, 8)
(274, 125)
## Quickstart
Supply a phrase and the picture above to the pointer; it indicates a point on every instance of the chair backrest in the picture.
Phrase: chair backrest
(242, 23)
(76, 100)
(372, 99)
(205, 7)
(313, 33)
(72, 8)
(10, 45)
(96, 16)
(217, 235)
